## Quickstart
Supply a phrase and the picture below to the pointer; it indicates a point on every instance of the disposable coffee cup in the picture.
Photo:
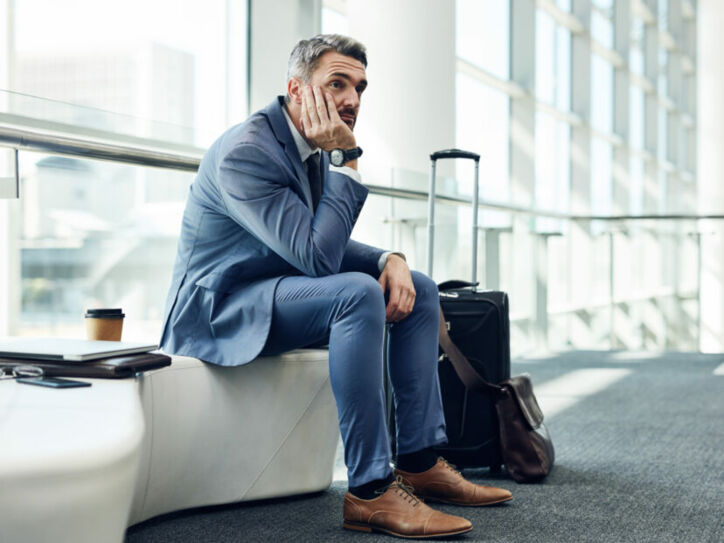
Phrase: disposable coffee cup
(104, 324)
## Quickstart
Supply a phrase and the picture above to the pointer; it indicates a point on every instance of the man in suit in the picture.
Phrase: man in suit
(265, 264)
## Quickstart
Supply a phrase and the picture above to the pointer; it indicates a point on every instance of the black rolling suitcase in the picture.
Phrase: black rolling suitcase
(478, 323)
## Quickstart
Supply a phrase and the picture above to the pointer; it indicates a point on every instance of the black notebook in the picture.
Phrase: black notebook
(117, 367)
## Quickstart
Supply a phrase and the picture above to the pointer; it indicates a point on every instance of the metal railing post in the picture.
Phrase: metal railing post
(699, 269)
(474, 237)
(431, 221)
(12, 189)
(612, 306)
(541, 286)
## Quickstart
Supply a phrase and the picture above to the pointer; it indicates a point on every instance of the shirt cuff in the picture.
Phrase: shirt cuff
(346, 170)
(382, 262)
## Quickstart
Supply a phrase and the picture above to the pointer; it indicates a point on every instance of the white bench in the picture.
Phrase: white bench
(80, 465)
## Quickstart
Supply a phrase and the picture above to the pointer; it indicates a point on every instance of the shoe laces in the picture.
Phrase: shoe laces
(406, 491)
(448, 465)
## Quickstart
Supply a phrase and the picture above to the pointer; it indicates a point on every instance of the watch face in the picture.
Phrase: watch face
(336, 157)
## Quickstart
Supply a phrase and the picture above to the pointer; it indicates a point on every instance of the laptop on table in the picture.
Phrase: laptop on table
(69, 350)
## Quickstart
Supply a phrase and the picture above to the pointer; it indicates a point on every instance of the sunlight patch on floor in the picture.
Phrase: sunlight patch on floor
(567, 390)
(633, 356)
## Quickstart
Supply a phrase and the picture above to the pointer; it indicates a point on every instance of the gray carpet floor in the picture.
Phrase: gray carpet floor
(638, 459)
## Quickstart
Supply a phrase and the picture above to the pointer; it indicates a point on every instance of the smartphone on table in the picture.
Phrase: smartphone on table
(52, 382)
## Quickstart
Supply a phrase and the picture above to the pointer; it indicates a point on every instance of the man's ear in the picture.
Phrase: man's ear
(294, 89)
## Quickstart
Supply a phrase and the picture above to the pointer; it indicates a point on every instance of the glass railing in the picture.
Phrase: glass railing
(93, 234)
(628, 283)
(103, 233)
(30, 111)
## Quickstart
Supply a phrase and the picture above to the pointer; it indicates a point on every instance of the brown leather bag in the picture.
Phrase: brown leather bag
(526, 446)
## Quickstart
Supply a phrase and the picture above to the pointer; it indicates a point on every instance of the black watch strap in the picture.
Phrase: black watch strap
(351, 154)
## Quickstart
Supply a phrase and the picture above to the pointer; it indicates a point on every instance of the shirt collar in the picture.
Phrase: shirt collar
(305, 151)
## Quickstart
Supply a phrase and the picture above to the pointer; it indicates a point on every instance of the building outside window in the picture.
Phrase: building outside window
(164, 74)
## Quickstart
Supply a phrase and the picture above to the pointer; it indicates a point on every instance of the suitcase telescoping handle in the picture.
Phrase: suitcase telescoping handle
(434, 157)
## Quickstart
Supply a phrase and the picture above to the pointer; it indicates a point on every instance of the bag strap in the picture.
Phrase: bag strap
(464, 369)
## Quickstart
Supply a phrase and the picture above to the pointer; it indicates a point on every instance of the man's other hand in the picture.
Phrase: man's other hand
(396, 279)
(321, 122)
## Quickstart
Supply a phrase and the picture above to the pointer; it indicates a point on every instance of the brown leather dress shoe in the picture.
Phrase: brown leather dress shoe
(400, 513)
(443, 483)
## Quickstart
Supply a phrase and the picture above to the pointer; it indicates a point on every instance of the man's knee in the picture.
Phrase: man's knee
(363, 293)
(426, 294)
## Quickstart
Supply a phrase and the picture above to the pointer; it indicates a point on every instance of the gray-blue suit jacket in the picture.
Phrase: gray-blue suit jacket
(248, 223)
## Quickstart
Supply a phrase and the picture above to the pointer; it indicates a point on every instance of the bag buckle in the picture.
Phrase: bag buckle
(20, 370)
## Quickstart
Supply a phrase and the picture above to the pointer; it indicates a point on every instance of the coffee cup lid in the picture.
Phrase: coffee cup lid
(104, 313)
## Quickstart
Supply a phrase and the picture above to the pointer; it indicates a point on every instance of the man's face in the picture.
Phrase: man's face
(345, 79)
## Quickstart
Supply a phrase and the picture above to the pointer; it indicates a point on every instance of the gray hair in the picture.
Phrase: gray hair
(305, 55)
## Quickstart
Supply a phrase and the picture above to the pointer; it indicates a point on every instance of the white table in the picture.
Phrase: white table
(80, 465)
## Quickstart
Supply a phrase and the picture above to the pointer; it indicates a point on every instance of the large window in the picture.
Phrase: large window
(636, 117)
(636, 185)
(553, 62)
(169, 69)
(482, 127)
(165, 74)
(601, 94)
(482, 35)
(601, 176)
(601, 23)
(552, 130)
(552, 163)
(636, 51)
(483, 110)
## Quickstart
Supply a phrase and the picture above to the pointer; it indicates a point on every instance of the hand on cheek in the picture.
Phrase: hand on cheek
(321, 122)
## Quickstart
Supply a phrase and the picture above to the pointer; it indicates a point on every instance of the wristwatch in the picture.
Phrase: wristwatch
(340, 157)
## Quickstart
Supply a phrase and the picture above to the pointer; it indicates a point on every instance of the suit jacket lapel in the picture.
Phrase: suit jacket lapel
(281, 131)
